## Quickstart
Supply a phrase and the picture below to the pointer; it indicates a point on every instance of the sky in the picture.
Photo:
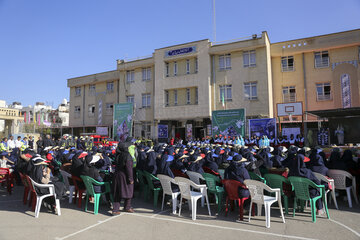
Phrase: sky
(45, 42)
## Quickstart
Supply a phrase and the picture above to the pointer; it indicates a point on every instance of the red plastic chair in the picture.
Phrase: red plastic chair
(6, 176)
(231, 188)
(26, 187)
(208, 170)
(79, 189)
(179, 173)
(32, 201)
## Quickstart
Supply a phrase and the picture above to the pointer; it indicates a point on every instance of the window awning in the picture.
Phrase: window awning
(337, 113)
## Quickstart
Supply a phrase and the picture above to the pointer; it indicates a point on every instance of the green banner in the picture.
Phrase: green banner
(122, 122)
(228, 122)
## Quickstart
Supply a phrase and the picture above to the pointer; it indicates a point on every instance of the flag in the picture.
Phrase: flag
(223, 100)
(25, 117)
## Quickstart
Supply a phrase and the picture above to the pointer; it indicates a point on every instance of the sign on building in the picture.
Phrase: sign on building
(163, 131)
(122, 121)
(180, 51)
(228, 122)
(261, 127)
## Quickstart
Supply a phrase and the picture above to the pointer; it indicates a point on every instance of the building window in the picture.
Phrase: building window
(130, 76)
(110, 87)
(225, 61)
(146, 100)
(196, 95)
(166, 98)
(77, 112)
(250, 91)
(187, 66)
(175, 97)
(196, 65)
(91, 110)
(321, 59)
(249, 58)
(146, 74)
(287, 64)
(77, 91)
(225, 93)
(146, 130)
(289, 94)
(92, 89)
(175, 68)
(188, 96)
(167, 70)
(323, 91)
(130, 98)
(109, 108)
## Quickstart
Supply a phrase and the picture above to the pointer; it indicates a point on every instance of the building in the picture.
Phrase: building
(178, 86)
(10, 120)
(321, 72)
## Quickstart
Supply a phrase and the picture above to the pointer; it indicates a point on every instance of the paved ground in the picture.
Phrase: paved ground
(18, 222)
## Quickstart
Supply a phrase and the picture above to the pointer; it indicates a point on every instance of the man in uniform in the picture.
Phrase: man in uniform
(4, 145)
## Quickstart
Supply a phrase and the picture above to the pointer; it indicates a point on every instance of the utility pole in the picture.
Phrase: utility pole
(214, 21)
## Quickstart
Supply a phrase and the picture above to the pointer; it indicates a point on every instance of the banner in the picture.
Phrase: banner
(288, 131)
(228, 122)
(163, 131)
(122, 121)
(188, 131)
(261, 127)
(102, 131)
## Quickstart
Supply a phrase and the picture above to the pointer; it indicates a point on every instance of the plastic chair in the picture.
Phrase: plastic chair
(208, 170)
(89, 184)
(144, 188)
(195, 176)
(40, 197)
(7, 177)
(339, 177)
(331, 182)
(232, 191)
(278, 181)
(256, 189)
(71, 188)
(186, 193)
(218, 191)
(221, 172)
(301, 187)
(32, 192)
(26, 188)
(79, 190)
(166, 186)
(179, 173)
(256, 177)
(149, 178)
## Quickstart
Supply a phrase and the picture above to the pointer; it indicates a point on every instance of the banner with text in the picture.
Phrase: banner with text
(163, 131)
(122, 122)
(261, 127)
(228, 122)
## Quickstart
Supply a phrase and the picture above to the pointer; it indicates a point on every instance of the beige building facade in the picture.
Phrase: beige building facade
(179, 86)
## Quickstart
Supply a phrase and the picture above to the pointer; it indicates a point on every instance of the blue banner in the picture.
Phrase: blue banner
(260, 127)
(162, 131)
(180, 51)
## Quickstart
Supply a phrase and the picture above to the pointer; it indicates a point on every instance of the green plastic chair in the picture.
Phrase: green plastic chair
(143, 187)
(278, 181)
(256, 177)
(89, 184)
(218, 191)
(301, 186)
(149, 178)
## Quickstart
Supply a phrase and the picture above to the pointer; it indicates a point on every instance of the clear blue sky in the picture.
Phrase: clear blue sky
(45, 42)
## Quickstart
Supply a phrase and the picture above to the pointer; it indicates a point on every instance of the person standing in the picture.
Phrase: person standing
(39, 145)
(11, 142)
(31, 142)
(123, 181)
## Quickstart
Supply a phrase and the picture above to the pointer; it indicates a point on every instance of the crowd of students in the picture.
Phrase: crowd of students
(117, 164)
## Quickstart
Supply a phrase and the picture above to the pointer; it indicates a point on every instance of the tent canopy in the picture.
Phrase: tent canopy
(337, 113)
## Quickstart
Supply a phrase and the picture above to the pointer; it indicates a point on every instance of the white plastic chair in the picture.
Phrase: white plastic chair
(330, 182)
(195, 177)
(70, 188)
(39, 198)
(339, 177)
(166, 186)
(256, 189)
(186, 193)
